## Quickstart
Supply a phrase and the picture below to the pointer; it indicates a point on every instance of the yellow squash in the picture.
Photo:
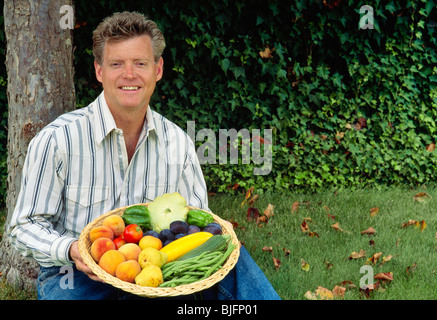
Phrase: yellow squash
(181, 246)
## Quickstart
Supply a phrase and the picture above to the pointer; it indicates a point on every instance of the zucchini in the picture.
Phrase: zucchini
(181, 246)
(217, 242)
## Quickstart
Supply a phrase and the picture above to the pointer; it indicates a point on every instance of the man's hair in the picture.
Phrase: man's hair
(125, 25)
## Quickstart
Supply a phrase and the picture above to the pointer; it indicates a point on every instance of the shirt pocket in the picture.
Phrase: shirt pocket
(151, 192)
(86, 196)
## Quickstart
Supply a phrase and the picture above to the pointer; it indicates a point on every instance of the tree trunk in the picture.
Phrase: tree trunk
(39, 63)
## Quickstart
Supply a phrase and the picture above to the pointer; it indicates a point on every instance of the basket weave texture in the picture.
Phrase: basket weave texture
(153, 292)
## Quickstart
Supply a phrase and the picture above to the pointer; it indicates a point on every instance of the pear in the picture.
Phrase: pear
(150, 276)
(150, 255)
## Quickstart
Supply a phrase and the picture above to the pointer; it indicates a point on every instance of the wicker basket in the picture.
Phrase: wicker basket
(153, 292)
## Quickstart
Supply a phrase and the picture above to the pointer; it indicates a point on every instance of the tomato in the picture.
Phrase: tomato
(132, 233)
(119, 241)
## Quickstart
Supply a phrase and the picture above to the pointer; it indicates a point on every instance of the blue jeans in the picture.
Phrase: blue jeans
(245, 281)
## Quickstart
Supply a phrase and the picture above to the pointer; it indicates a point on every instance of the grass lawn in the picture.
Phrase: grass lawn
(411, 254)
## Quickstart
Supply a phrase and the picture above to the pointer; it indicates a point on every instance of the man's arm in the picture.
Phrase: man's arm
(39, 202)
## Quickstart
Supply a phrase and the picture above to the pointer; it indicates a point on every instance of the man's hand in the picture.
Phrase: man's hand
(80, 265)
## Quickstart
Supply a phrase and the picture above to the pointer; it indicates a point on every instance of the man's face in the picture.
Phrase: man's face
(129, 73)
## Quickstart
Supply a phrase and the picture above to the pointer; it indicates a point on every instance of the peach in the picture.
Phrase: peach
(110, 261)
(115, 223)
(101, 232)
(131, 251)
(128, 270)
(150, 241)
(100, 246)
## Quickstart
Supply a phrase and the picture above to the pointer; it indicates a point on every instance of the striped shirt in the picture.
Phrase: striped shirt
(77, 168)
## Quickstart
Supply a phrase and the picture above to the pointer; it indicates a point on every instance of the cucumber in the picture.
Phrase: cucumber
(217, 242)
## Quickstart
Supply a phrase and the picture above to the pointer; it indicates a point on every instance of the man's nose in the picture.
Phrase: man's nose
(129, 72)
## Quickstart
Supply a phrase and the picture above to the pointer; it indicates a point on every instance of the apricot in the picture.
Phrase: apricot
(101, 232)
(131, 251)
(100, 246)
(110, 261)
(150, 241)
(115, 223)
(128, 270)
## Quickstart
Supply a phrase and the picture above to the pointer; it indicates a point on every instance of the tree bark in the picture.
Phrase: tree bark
(39, 63)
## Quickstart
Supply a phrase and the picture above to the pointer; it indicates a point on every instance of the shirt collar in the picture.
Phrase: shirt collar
(105, 123)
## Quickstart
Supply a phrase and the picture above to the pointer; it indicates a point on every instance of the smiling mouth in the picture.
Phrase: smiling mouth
(130, 88)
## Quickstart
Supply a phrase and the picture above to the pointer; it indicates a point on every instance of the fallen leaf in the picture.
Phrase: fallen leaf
(328, 264)
(286, 252)
(358, 255)
(252, 213)
(304, 226)
(304, 265)
(253, 199)
(421, 197)
(347, 284)
(374, 259)
(295, 206)
(385, 276)
(268, 249)
(386, 259)
(412, 268)
(268, 212)
(338, 291)
(421, 225)
(370, 231)
(336, 227)
(276, 263)
(310, 295)
(374, 211)
(248, 194)
(324, 294)
(313, 234)
(331, 216)
(326, 208)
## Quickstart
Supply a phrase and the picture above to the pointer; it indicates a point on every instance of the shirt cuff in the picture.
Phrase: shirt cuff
(60, 250)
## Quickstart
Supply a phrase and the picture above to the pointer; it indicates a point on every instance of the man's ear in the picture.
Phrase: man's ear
(98, 69)
(159, 69)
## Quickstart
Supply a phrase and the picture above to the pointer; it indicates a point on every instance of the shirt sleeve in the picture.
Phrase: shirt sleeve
(39, 204)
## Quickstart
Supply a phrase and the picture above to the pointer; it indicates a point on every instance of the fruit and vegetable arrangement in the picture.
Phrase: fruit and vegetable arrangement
(162, 244)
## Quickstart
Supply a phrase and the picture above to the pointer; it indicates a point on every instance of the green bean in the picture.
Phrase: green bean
(229, 250)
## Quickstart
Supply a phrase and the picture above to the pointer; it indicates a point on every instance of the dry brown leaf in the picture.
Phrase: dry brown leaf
(387, 258)
(326, 208)
(338, 291)
(295, 206)
(421, 197)
(268, 212)
(324, 294)
(248, 194)
(412, 268)
(385, 276)
(370, 231)
(266, 53)
(276, 263)
(253, 199)
(430, 147)
(358, 255)
(304, 226)
(374, 259)
(374, 211)
(286, 252)
(336, 227)
(267, 249)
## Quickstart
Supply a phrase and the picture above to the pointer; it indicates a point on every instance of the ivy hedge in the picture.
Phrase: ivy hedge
(350, 102)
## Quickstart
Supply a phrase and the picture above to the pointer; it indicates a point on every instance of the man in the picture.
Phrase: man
(113, 153)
